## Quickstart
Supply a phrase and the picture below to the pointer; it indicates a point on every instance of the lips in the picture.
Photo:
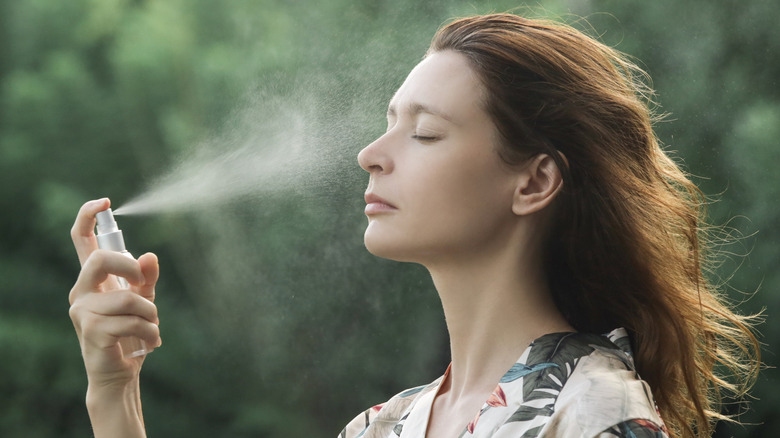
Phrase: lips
(376, 204)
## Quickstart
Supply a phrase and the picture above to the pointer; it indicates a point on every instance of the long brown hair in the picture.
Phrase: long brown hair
(630, 245)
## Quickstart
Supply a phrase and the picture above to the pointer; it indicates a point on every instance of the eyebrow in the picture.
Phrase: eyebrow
(415, 108)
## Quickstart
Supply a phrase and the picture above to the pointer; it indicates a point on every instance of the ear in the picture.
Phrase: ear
(537, 185)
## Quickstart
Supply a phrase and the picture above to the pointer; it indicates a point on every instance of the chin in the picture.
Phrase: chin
(378, 248)
(387, 248)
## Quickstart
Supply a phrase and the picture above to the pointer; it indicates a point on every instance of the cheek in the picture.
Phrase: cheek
(462, 199)
(465, 186)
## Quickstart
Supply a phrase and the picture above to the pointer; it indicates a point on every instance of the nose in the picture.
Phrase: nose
(375, 158)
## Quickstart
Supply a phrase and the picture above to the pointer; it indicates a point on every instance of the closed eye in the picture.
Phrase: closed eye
(424, 138)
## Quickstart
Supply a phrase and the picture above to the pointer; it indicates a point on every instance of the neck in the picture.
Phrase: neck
(494, 307)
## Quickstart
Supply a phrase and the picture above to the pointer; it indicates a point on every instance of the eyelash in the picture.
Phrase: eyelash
(424, 138)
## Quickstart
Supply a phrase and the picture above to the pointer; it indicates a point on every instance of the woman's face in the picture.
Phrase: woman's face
(437, 186)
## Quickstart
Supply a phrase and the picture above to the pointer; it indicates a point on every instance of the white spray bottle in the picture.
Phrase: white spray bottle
(109, 236)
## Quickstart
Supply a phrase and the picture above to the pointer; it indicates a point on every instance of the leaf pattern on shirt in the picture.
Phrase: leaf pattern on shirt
(519, 370)
(637, 428)
(497, 398)
(553, 357)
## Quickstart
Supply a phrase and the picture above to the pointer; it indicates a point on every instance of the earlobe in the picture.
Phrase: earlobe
(538, 184)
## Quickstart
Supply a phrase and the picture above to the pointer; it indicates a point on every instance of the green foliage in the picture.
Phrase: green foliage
(276, 322)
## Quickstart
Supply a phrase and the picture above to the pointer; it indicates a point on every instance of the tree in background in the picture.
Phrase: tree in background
(270, 305)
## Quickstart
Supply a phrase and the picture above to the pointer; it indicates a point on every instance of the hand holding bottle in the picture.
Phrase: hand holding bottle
(103, 312)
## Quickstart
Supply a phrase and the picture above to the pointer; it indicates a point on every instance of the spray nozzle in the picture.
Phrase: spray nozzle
(109, 235)
(106, 222)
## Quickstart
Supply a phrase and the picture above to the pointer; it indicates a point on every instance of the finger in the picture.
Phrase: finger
(150, 269)
(104, 332)
(99, 265)
(83, 231)
(115, 303)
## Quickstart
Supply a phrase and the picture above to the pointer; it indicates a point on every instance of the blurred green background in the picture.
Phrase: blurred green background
(276, 321)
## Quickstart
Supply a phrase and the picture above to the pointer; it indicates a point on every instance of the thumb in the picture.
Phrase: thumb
(150, 269)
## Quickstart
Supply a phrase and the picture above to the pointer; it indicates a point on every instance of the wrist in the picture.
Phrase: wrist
(115, 410)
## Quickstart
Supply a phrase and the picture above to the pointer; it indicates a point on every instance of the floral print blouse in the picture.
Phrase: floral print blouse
(563, 385)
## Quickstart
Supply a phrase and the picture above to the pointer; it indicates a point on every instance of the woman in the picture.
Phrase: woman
(520, 167)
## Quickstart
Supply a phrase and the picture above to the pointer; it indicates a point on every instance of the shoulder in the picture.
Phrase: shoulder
(358, 425)
(604, 396)
(385, 416)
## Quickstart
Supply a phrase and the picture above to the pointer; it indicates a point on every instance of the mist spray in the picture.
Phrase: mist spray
(109, 237)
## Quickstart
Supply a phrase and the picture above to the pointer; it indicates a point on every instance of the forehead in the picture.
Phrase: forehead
(443, 81)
